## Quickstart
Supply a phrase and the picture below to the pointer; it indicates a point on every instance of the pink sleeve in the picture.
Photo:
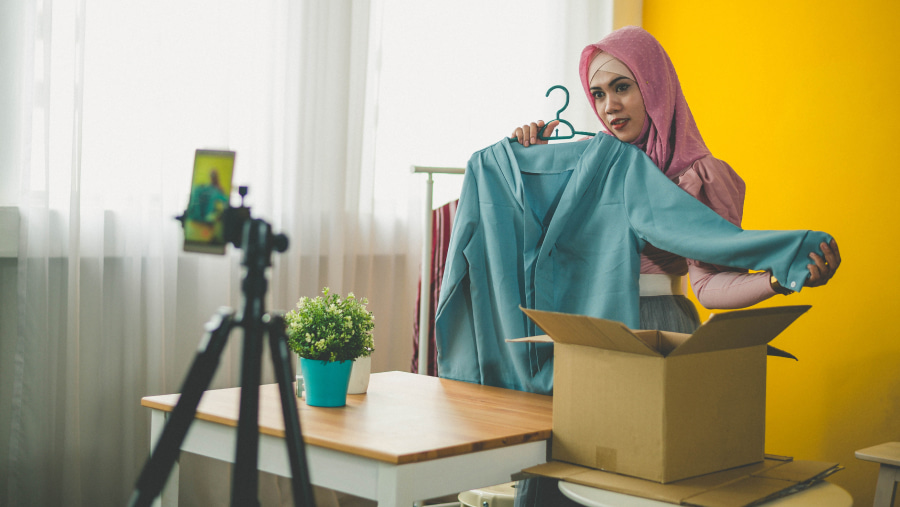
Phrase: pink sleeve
(714, 183)
(727, 290)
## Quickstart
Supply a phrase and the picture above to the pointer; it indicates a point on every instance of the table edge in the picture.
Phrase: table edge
(166, 403)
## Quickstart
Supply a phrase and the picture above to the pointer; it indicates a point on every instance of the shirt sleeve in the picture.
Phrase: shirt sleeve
(714, 183)
(663, 215)
(454, 321)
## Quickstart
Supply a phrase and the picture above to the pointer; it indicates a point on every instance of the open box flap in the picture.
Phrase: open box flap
(730, 330)
(589, 331)
(739, 329)
(776, 352)
(541, 338)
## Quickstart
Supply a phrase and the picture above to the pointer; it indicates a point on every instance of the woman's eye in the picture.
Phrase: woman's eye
(598, 95)
(622, 88)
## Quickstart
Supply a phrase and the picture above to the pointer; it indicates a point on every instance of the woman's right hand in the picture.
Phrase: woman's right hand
(823, 268)
(528, 134)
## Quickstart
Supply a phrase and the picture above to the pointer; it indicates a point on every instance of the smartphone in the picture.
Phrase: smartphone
(204, 228)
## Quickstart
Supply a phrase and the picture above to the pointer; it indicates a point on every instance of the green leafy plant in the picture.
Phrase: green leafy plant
(328, 328)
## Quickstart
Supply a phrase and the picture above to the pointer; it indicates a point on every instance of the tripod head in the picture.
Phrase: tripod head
(229, 227)
(235, 221)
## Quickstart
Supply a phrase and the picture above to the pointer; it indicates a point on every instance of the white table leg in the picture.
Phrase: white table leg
(388, 489)
(403, 485)
(886, 488)
(169, 495)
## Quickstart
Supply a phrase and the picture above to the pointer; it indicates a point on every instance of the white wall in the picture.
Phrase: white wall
(458, 76)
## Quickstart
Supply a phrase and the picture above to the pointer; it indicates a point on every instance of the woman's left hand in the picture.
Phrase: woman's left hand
(823, 269)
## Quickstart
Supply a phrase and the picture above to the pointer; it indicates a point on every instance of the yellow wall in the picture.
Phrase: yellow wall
(802, 98)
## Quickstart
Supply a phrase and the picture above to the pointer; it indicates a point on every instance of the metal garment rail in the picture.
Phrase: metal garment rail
(425, 292)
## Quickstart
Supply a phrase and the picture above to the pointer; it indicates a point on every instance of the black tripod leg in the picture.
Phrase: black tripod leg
(156, 471)
(245, 476)
(293, 435)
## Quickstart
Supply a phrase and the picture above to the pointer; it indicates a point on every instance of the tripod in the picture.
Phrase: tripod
(257, 241)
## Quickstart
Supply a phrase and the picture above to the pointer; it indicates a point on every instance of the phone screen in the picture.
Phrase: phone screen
(204, 229)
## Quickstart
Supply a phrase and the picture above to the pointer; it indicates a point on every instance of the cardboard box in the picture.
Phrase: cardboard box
(657, 405)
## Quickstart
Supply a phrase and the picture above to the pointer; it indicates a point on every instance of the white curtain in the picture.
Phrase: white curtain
(104, 103)
(116, 97)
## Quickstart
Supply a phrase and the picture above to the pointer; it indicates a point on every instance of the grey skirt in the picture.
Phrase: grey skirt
(669, 313)
(666, 313)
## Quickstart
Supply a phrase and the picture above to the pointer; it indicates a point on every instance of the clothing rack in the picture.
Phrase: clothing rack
(424, 292)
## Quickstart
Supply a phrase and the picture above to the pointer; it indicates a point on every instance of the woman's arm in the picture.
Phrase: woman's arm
(718, 289)
(715, 184)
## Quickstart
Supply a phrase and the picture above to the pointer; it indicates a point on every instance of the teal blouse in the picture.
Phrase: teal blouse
(560, 227)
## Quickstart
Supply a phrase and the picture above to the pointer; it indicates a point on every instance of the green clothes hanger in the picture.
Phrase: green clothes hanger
(561, 121)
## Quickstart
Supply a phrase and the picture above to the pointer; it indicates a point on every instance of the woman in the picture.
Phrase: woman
(634, 90)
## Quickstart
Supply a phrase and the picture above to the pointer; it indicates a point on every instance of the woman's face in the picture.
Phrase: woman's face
(619, 104)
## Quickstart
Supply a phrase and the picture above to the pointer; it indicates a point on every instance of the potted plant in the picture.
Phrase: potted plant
(328, 333)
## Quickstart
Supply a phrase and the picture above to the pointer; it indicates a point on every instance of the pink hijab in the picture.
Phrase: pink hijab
(672, 140)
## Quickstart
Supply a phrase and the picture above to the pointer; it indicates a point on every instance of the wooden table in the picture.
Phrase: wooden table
(411, 437)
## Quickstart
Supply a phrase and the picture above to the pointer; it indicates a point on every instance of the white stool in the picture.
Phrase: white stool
(823, 494)
(888, 455)
(503, 495)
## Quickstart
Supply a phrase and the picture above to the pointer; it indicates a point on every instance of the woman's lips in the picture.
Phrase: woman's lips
(618, 123)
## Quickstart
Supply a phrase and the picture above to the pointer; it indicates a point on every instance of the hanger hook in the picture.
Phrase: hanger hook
(563, 88)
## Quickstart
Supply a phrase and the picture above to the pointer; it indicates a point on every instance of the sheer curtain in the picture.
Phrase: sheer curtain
(116, 96)
(107, 102)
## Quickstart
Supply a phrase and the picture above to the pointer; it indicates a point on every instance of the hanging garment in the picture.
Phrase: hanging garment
(560, 227)
(441, 222)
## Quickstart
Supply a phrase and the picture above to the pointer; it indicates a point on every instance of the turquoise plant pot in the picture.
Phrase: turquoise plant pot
(325, 382)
